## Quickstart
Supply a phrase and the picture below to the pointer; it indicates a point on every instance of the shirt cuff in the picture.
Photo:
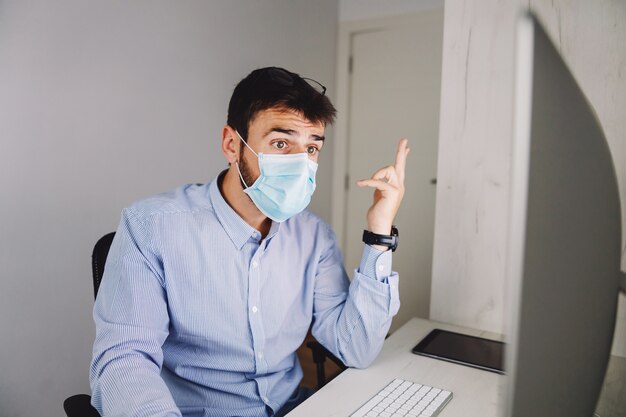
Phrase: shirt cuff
(375, 264)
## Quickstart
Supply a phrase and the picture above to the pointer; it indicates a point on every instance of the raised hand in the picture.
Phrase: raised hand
(388, 184)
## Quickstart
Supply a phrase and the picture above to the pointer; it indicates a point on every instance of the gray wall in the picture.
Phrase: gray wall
(475, 140)
(102, 103)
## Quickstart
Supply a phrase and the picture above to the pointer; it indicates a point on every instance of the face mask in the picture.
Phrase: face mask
(285, 185)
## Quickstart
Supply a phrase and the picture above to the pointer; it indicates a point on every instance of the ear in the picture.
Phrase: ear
(230, 144)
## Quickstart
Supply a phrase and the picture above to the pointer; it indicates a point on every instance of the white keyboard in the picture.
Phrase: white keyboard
(405, 399)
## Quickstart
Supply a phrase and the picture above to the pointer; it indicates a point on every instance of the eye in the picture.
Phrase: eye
(279, 144)
(312, 150)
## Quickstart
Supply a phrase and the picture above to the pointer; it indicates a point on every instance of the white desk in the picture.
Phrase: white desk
(475, 392)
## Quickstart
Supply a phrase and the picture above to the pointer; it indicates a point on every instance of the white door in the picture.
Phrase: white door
(394, 92)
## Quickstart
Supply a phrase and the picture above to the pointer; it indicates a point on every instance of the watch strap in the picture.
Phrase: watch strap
(390, 241)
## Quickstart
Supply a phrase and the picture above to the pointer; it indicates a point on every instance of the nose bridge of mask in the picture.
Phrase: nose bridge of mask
(282, 159)
(280, 165)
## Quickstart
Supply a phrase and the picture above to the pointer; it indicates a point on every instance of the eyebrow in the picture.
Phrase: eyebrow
(291, 132)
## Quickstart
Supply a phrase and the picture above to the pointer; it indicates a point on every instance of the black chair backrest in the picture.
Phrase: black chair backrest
(99, 258)
(80, 405)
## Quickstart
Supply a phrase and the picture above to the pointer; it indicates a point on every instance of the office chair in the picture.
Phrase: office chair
(320, 353)
(98, 259)
(80, 405)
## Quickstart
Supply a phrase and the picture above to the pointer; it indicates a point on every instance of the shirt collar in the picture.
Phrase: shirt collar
(237, 229)
(274, 228)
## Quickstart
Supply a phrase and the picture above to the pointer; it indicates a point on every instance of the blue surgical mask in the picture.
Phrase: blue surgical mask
(285, 185)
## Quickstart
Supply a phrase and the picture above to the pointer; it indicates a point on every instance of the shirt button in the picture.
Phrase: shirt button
(381, 268)
(264, 398)
(255, 264)
(260, 355)
(254, 309)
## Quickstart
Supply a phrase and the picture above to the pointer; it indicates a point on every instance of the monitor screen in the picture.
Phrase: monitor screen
(563, 251)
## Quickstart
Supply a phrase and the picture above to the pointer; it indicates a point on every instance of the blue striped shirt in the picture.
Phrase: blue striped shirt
(198, 316)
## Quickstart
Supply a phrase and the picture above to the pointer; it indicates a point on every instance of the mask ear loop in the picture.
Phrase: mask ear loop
(244, 183)
(246, 143)
(237, 163)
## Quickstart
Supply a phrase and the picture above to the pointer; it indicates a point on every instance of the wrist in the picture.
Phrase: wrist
(380, 229)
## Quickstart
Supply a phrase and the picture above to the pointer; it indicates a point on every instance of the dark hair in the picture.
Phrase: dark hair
(274, 87)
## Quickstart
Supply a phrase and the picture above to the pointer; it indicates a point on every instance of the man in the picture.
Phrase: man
(210, 289)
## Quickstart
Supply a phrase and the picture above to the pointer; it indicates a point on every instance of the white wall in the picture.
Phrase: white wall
(369, 9)
(475, 144)
(102, 103)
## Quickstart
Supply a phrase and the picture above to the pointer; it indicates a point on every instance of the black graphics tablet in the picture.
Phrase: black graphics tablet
(463, 349)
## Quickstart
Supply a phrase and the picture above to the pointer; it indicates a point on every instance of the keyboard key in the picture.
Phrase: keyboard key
(395, 382)
(368, 405)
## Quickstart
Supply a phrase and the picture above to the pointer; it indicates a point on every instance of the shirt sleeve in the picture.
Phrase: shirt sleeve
(131, 325)
(351, 319)
(375, 264)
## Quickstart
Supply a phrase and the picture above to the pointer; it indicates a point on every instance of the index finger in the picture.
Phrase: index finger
(403, 151)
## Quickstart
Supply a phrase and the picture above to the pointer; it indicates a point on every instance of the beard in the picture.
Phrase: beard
(248, 178)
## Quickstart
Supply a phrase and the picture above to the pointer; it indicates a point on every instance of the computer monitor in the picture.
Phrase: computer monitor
(563, 260)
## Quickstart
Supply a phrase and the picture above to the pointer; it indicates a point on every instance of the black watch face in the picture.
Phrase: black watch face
(396, 238)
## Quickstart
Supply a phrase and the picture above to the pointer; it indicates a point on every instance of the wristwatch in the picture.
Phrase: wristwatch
(390, 241)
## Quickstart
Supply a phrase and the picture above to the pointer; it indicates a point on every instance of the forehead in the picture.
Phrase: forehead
(265, 120)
